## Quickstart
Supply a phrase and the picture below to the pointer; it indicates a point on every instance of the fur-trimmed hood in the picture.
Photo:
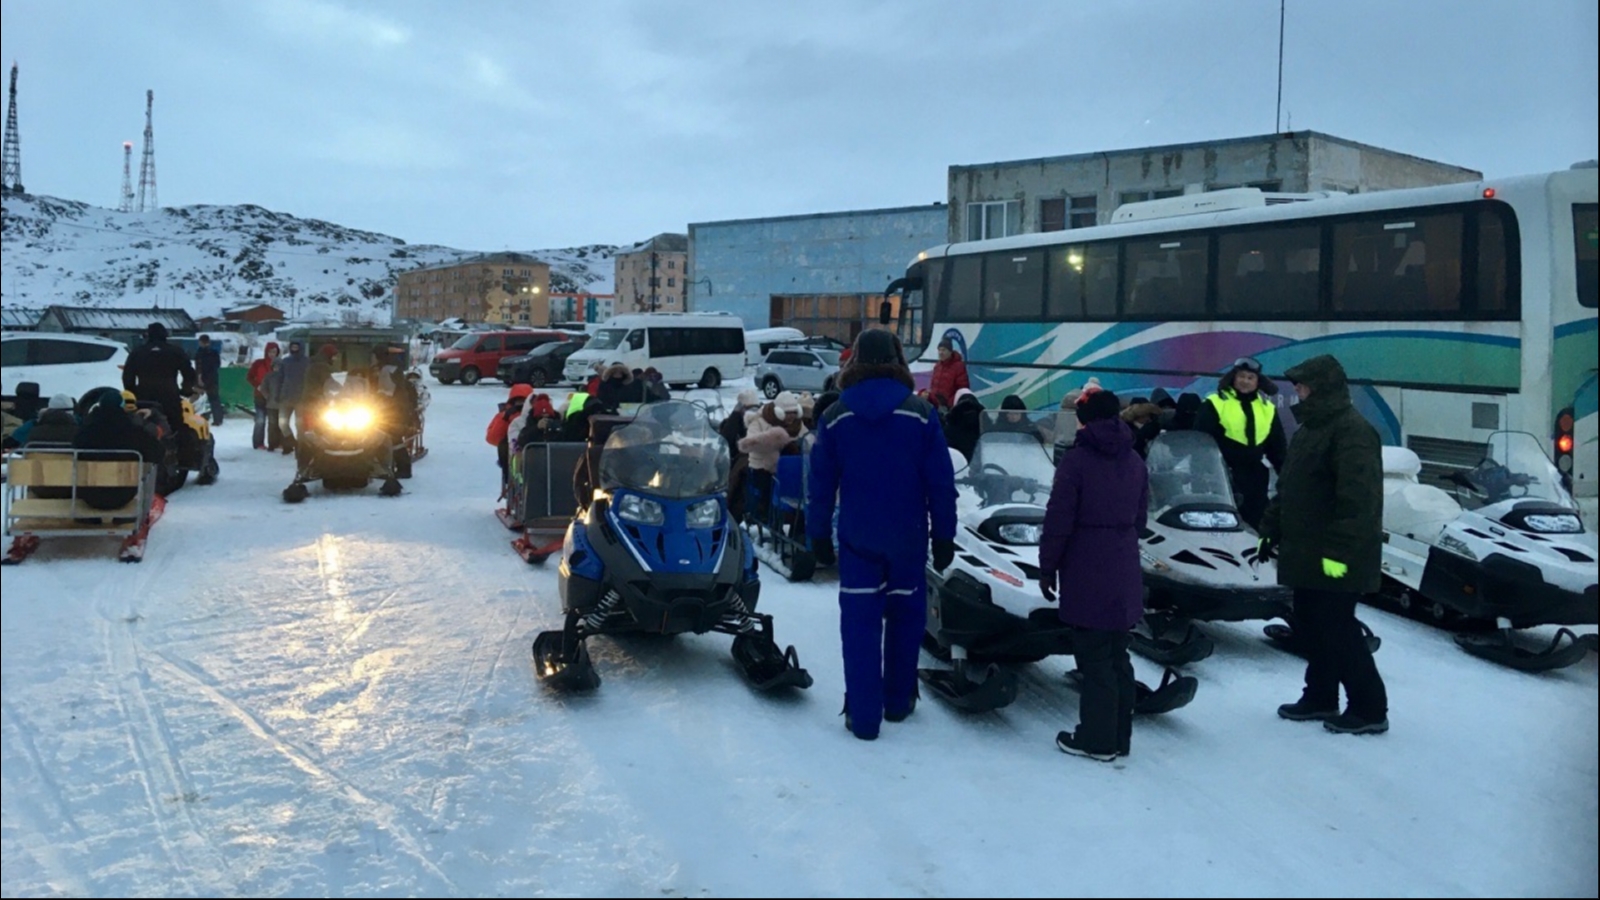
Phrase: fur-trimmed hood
(616, 370)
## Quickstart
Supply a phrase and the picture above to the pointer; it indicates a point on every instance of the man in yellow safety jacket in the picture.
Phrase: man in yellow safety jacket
(1246, 426)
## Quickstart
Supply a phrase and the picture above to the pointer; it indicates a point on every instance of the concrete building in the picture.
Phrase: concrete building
(1060, 192)
(749, 266)
(499, 288)
(583, 307)
(650, 275)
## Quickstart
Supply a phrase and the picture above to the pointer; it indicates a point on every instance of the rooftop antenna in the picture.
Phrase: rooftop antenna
(147, 166)
(11, 178)
(1277, 123)
(126, 203)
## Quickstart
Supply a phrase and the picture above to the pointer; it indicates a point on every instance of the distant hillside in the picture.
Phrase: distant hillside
(207, 258)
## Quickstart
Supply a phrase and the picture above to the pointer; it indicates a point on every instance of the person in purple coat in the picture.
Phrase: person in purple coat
(1092, 523)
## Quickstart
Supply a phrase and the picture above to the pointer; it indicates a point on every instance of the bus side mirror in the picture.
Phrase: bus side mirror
(885, 312)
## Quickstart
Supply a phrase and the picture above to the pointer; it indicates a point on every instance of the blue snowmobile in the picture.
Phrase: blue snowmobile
(653, 550)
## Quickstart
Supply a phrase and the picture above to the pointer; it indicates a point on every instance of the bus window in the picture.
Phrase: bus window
(1165, 277)
(1584, 239)
(1013, 285)
(966, 277)
(1398, 266)
(1495, 251)
(1270, 273)
(1083, 283)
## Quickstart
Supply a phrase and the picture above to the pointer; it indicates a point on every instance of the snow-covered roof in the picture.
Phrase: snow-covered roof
(88, 318)
(665, 242)
(246, 307)
(14, 317)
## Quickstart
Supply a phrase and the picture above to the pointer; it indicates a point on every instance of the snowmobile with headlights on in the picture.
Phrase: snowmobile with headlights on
(654, 550)
(1200, 560)
(1508, 550)
(345, 444)
(985, 611)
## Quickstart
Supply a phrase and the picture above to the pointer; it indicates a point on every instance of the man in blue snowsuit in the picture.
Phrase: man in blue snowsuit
(881, 450)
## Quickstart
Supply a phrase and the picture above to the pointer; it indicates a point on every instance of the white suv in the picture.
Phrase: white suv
(795, 369)
(71, 364)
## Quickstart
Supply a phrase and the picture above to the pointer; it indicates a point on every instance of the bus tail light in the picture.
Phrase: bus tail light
(1564, 443)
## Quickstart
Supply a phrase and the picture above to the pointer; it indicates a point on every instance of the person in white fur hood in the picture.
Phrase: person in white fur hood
(769, 429)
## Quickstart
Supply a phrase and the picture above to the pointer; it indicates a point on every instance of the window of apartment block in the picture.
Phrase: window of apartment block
(1053, 214)
(1126, 197)
(672, 282)
(1083, 212)
(1270, 187)
(672, 264)
(993, 219)
(1164, 193)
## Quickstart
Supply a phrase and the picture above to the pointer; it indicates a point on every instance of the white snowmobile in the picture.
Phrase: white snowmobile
(1508, 549)
(985, 609)
(1199, 557)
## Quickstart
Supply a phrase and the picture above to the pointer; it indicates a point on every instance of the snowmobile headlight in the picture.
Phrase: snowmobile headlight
(704, 514)
(1022, 533)
(1559, 523)
(1209, 520)
(643, 510)
(348, 418)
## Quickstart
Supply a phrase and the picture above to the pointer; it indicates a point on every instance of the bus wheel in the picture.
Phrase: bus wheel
(711, 379)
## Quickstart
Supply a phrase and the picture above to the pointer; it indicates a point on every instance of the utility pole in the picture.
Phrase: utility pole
(1277, 123)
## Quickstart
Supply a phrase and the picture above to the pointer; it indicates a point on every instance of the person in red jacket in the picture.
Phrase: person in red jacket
(500, 426)
(949, 376)
(266, 435)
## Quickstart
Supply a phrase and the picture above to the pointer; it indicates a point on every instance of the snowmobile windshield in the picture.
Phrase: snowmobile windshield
(1186, 469)
(671, 449)
(1012, 461)
(1515, 467)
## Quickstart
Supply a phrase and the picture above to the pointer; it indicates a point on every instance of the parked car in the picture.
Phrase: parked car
(60, 363)
(542, 366)
(477, 355)
(796, 369)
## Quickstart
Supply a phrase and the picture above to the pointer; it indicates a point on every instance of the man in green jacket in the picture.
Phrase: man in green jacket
(1326, 525)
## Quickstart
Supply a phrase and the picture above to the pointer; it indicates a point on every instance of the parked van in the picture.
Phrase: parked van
(477, 354)
(685, 348)
(759, 342)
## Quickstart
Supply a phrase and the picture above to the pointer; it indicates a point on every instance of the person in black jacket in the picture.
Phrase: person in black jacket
(153, 372)
(110, 427)
(208, 364)
(963, 424)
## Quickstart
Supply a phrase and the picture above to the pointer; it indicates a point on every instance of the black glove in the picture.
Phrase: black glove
(944, 552)
(1266, 549)
(822, 552)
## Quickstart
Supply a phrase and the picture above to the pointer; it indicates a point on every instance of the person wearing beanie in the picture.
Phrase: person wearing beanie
(1089, 559)
(1327, 520)
(1245, 424)
(286, 390)
(208, 366)
(109, 427)
(154, 372)
(949, 376)
(963, 424)
(265, 434)
(881, 456)
(57, 423)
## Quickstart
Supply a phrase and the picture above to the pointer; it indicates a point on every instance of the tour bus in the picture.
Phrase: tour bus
(1457, 310)
(685, 348)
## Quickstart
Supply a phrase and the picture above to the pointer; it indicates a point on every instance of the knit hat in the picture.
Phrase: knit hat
(876, 347)
(329, 350)
(961, 392)
(946, 344)
(156, 332)
(785, 403)
(747, 398)
(518, 391)
(1098, 404)
(62, 401)
(1012, 401)
(111, 398)
(1070, 401)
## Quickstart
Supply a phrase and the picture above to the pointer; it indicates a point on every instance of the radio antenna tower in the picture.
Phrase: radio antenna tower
(147, 166)
(126, 204)
(11, 178)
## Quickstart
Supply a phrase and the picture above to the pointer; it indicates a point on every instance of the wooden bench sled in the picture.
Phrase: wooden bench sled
(42, 499)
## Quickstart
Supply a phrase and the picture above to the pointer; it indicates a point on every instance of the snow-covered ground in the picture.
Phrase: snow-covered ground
(337, 699)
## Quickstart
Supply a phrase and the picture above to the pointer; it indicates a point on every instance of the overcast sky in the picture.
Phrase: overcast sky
(486, 124)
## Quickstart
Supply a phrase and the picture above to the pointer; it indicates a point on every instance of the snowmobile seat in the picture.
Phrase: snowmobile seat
(789, 489)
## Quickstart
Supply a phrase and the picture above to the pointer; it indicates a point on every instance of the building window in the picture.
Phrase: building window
(1269, 187)
(1083, 212)
(672, 282)
(672, 264)
(993, 219)
(1053, 214)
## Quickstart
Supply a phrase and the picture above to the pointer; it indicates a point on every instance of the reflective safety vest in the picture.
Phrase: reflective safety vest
(576, 403)
(1230, 412)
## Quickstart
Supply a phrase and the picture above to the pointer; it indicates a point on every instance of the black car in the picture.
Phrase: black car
(539, 367)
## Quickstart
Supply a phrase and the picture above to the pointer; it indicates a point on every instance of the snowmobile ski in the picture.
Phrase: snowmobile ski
(561, 661)
(1170, 640)
(1175, 692)
(996, 690)
(765, 666)
(1565, 649)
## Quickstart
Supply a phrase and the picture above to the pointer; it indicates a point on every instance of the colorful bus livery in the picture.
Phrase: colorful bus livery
(1458, 310)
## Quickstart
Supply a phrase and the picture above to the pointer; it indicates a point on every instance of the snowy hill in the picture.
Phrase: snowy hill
(208, 258)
